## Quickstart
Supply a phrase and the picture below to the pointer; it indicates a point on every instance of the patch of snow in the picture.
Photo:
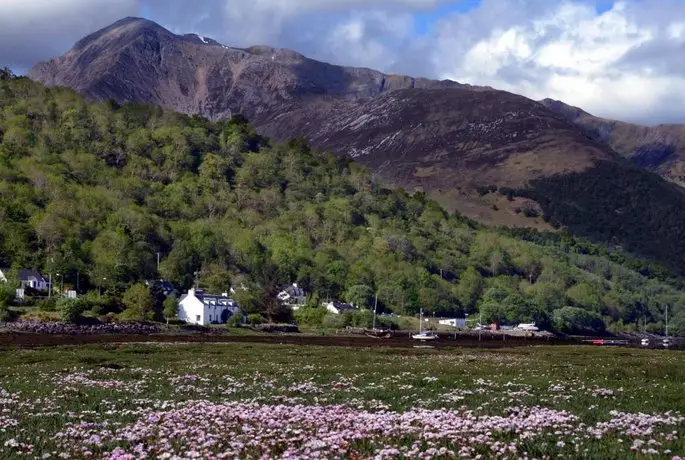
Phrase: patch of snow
(202, 39)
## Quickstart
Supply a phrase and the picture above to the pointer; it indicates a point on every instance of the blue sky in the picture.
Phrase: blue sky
(424, 20)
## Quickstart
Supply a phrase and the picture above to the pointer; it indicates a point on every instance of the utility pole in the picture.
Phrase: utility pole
(158, 253)
(50, 285)
(666, 320)
(100, 287)
(480, 325)
(78, 281)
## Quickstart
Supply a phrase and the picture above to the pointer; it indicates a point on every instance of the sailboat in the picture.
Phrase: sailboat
(423, 335)
(377, 333)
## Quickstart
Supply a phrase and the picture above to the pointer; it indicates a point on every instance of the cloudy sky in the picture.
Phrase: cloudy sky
(618, 59)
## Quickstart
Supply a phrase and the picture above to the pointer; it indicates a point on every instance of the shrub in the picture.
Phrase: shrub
(6, 295)
(529, 210)
(71, 309)
(405, 324)
(333, 321)
(47, 305)
(43, 316)
(278, 328)
(255, 318)
(6, 314)
(310, 316)
(236, 319)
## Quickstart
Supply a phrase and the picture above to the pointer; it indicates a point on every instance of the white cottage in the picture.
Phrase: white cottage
(197, 307)
(28, 279)
(338, 308)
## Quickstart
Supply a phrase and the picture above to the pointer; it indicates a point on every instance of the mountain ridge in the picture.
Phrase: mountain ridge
(494, 156)
(657, 148)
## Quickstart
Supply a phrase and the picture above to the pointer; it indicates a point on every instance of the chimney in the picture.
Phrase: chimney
(191, 291)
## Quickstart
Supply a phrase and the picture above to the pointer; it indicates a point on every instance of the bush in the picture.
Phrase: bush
(71, 309)
(236, 319)
(6, 295)
(47, 305)
(277, 328)
(43, 316)
(310, 316)
(6, 314)
(333, 321)
(255, 319)
(405, 324)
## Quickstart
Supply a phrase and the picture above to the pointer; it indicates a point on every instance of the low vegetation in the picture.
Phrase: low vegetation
(239, 401)
(95, 191)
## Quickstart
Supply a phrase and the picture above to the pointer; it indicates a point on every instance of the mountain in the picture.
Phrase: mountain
(442, 137)
(659, 148)
(493, 156)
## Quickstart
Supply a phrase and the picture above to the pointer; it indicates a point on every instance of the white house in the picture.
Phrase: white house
(197, 307)
(292, 296)
(338, 308)
(28, 279)
(454, 322)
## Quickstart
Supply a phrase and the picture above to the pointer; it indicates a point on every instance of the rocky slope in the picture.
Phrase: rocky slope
(442, 137)
(659, 148)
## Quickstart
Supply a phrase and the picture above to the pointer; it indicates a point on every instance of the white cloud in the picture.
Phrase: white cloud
(627, 63)
(571, 53)
(33, 30)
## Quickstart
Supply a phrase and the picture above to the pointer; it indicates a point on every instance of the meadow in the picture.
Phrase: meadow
(280, 401)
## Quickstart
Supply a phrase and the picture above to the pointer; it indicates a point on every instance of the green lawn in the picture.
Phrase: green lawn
(245, 400)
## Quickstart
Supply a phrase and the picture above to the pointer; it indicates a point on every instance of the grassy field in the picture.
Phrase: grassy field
(240, 400)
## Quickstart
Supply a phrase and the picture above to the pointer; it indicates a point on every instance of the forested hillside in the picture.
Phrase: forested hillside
(94, 191)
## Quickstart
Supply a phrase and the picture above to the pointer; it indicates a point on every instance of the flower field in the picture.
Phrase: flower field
(269, 401)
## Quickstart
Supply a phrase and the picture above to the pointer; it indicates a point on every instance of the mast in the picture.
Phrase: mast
(375, 305)
(666, 320)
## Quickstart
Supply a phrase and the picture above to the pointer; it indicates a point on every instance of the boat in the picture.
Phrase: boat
(531, 327)
(377, 333)
(424, 335)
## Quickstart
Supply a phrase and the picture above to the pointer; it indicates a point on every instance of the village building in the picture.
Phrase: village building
(198, 307)
(454, 322)
(27, 278)
(338, 308)
(293, 296)
(164, 286)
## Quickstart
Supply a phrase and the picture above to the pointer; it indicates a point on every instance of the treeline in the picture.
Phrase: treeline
(96, 191)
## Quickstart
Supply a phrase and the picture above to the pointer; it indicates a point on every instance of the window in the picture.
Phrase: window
(197, 318)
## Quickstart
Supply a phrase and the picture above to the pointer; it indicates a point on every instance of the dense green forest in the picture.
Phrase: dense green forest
(619, 203)
(95, 191)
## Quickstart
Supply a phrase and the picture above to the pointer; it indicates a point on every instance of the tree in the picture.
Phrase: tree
(138, 302)
(360, 295)
(470, 287)
(577, 320)
(310, 316)
(170, 308)
(71, 309)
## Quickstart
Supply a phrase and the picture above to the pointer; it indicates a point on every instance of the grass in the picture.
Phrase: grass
(91, 400)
